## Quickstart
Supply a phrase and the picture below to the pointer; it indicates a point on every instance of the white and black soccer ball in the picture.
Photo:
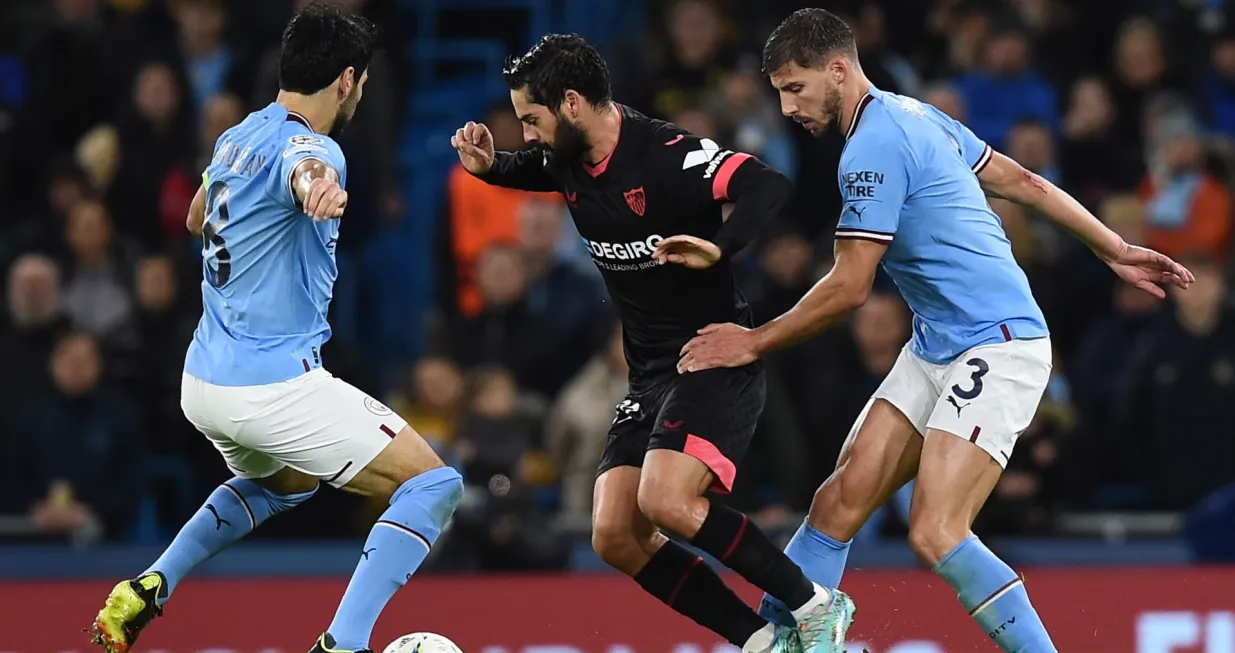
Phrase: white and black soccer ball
(422, 643)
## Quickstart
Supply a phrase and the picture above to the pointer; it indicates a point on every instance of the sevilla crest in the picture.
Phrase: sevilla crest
(636, 200)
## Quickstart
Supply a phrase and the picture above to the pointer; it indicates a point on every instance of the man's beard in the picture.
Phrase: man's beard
(341, 119)
(832, 107)
(570, 144)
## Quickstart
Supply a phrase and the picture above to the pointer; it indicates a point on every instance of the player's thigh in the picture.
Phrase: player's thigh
(621, 535)
(330, 430)
(881, 451)
(954, 480)
(206, 406)
(703, 429)
(879, 456)
(991, 393)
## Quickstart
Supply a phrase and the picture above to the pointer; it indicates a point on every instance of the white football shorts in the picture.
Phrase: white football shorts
(988, 395)
(315, 423)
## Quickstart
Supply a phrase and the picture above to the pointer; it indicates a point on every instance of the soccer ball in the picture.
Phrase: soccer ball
(422, 643)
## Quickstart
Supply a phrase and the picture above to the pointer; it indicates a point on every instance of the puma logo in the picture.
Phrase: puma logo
(952, 400)
(365, 553)
(218, 521)
(855, 210)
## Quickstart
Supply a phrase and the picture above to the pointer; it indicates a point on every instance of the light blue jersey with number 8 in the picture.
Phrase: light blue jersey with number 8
(268, 269)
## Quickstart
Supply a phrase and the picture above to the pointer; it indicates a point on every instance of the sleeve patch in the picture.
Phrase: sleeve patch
(305, 139)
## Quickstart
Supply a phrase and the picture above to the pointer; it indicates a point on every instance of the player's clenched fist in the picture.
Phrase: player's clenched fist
(325, 199)
(475, 146)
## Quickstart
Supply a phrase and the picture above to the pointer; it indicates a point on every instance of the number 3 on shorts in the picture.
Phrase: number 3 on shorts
(976, 377)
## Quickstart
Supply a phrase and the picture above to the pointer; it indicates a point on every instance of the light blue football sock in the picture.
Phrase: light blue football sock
(232, 511)
(822, 560)
(399, 542)
(995, 597)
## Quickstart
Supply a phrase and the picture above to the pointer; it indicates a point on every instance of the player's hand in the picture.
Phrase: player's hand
(694, 253)
(475, 146)
(325, 200)
(1149, 270)
(719, 345)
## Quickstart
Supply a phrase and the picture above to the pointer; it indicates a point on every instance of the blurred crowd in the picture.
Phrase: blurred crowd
(108, 110)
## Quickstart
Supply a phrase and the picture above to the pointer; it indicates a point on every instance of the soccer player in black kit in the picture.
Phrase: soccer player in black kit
(647, 197)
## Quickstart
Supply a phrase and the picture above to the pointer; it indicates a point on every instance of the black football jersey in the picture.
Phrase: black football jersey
(659, 181)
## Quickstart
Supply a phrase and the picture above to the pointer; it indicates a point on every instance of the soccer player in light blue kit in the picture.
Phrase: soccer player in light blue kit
(268, 212)
(914, 184)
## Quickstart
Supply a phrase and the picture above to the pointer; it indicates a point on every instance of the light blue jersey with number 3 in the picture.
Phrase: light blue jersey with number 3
(908, 179)
(268, 269)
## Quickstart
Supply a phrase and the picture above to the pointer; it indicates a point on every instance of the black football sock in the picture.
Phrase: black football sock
(730, 537)
(684, 582)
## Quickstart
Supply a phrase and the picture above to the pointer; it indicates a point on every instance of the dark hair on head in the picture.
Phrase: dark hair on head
(320, 43)
(556, 64)
(805, 38)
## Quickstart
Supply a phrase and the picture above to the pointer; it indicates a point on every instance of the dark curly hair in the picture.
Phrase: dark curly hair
(556, 64)
(320, 43)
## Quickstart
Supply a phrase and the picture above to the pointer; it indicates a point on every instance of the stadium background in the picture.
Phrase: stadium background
(475, 313)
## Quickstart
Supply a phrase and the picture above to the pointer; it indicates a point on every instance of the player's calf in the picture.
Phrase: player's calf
(423, 493)
(954, 481)
(670, 496)
(879, 456)
(232, 511)
(626, 540)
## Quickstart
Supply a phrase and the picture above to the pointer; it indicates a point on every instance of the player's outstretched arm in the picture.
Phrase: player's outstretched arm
(519, 170)
(845, 288)
(197, 212)
(1146, 269)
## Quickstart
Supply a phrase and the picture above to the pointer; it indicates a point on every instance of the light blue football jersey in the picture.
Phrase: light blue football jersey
(908, 178)
(268, 269)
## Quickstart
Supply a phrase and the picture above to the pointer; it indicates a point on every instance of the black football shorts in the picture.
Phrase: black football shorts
(709, 415)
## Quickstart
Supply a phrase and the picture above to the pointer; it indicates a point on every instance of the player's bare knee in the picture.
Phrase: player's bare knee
(681, 513)
(622, 548)
(842, 504)
(931, 537)
(406, 457)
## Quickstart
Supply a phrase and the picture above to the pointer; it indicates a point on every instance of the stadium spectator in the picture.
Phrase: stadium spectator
(507, 332)
(164, 321)
(1186, 208)
(96, 294)
(696, 62)
(86, 416)
(578, 425)
(945, 97)
(210, 65)
(1006, 89)
(558, 290)
(70, 92)
(1096, 158)
(480, 215)
(1141, 72)
(1181, 381)
(35, 323)
(432, 402)
(155, 138)
(753, 118)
